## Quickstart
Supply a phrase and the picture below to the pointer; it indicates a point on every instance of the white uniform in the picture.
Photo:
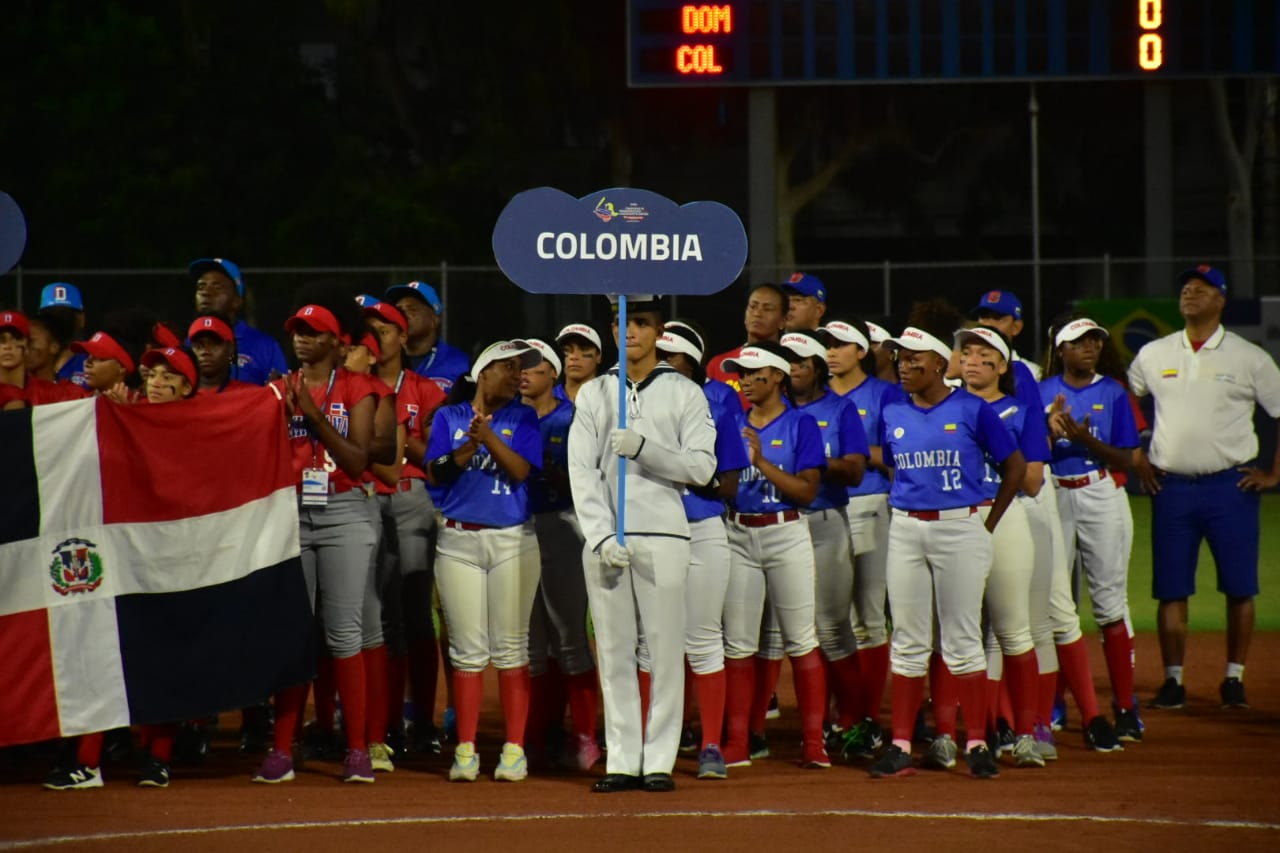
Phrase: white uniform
(649, 595)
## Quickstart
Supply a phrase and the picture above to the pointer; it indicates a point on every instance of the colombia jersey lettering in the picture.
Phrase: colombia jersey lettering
(793, 442)
(484, 494)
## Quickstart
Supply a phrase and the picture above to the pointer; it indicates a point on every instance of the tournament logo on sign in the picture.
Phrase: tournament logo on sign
(75, 568)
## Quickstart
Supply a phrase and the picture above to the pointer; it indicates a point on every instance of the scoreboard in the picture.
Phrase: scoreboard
(825, 42)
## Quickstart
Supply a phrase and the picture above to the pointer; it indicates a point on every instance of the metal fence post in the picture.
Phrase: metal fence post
(887, 278)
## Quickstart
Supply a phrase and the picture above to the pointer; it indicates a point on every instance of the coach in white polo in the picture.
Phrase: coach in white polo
(1205, 382)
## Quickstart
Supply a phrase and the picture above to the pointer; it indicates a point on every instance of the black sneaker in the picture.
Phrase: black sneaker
(1171, 695)
(1232, 692)
(426, 739)
(191, 746)
(773, 712)
(1003, 739)
(1100, 737)
(894, 763)
(117, 746)
(757, 745)
(256, 728)
(76, 778)
(320, 745)
(689, 740)
(921, 733)
(155, 774)
(1127, 727)
(982, 764)
(862, 740)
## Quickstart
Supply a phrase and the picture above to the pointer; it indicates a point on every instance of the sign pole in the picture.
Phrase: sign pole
(622, 416)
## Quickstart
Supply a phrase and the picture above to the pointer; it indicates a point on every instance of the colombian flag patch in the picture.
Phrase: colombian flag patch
(1171, 373)
(555, 439)
(777, 442)
(1098, 407)
(949, 428)
(862, 412)
(822, 424)
(506, 432)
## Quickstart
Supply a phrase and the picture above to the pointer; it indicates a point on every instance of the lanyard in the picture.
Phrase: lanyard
(324, 407)
(399, 381)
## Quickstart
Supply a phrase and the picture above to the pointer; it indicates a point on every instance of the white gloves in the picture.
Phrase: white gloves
(626, 442)
(614, 554)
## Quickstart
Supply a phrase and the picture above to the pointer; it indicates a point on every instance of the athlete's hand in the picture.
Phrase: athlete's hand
(302, 401)
(1074, 430)
(753, 444)
(1148, 475)
(118, 393)
(626, 442)
(614, 554)
(1256, 480)
(480, 428)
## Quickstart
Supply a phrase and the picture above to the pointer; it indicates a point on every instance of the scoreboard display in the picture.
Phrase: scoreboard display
(826, 42)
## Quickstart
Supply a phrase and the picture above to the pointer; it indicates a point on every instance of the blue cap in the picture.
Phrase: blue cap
(201, 266)
(806, 285)
(60, 294)
(1209, 275)
(999, 302)
(367, 300)
(420, 289)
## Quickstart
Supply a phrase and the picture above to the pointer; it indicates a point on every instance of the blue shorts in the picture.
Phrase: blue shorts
(1189, 510)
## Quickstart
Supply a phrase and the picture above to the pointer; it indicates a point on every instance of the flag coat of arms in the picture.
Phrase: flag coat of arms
(149, 563)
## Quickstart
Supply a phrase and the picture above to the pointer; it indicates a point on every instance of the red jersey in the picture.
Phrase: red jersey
(229, 385)
(417, 399)
(39, 391)
(715, 370)
(335, 399)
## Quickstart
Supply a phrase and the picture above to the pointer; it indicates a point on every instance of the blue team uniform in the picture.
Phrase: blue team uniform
(793, 442)
(731, 451)
(1028, 429)
(73, 371)
(939, 454)
(842, 433)
(442, 365)
(1025, 386)
(1106, 403)
(484, 494)
(554, 428)
(870, 398)
(257, 354)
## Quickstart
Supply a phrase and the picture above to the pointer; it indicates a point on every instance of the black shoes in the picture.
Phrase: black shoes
(659, 783)
(1232, 692)
(1100, 736)
(1127, 726)
(612, 783)
(1171, 695)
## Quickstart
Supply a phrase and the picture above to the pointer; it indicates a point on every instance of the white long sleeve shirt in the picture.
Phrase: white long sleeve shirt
(672, 415)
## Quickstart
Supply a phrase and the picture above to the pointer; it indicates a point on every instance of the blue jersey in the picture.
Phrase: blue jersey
(73, 371)
(870, 398)
(257, 355)
(731, 452)
(545, 496)
(939, 455)
(559, 393)
(1026, 425)
(1105, 402)
(484, 494)
(791, 441)
(842, 434)
(1025, 386)
(442, 365)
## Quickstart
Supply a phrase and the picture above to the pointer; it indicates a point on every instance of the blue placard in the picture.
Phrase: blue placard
(618, 240)
(13, 233)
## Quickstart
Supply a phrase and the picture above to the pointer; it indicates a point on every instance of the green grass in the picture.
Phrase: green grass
(1207, 606)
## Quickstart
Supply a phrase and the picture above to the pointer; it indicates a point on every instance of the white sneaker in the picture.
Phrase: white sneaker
(941, 754)
(466, 764)
(1025, 753)
(380, 756)
(512, 765)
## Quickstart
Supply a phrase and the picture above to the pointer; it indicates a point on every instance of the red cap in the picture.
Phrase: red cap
(389, 313)
(103, 346)
(370, 342)
(16, 321)
(315, 317)
(211, 326)
(164, 336)
(174, 358)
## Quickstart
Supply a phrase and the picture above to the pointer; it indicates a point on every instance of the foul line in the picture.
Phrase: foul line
(1011, 817)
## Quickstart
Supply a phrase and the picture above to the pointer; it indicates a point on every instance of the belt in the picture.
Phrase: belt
(941, 514)
(1080, 482)
(466, 525)
(405, 485)
(335, 489)
(763, 519)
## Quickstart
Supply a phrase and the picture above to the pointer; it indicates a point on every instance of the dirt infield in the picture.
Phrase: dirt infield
(1203, 780)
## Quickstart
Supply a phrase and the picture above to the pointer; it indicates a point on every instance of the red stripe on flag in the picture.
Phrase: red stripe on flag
(28, 701)
(208, 454)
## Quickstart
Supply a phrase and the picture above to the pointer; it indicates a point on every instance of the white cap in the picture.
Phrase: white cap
(680, 337)
(754, 358)
(1077, 328)
(803, 344)
(879, 334)
(985, 336)
(580, 330)
(548, 353)
(917, 340)
(529, 356)
(846, 334)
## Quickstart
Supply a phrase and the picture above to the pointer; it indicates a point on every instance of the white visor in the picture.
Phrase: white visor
(1076, 328)
(751, 358)
(803, 345)
(918, 341)
(879, 334)
(581, 330)
(846, 334)
(670, 342)
(548, 353)
(529, 356)
(984, 336)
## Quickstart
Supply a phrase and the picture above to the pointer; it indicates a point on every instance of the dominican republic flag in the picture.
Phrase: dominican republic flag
(149, 566)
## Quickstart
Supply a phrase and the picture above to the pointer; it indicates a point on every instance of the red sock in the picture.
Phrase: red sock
(993, 704)
(688, 693)
(160, 741)
(89, 749)
(739, 688)
(424, 673)
(646, 689)
(946, 696)
(874, 663)
(325, 689)
(584, 702)
(905, 697)
(375, 707)
(1073, 665)
(846, 679)
(468, 693)
(397, 671)
(1022, 675)
(766, 684)
(513, 690)
(1046, 692)
(972, 689)
(811, 696)
(711, 688)
(1118, 647)
(1004, 704)
(290, 704)
(350, 675)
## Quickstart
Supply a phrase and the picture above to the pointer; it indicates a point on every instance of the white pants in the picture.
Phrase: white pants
(1097, 522)
(1040, 521)
(704, 603)
(1008, 598)
(869, 539)
(1063, 617)
(833, 567)
(648, 596)
(778, 558)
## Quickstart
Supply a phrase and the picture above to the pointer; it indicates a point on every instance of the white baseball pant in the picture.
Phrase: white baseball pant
(1094, 522)
(779, 558)
(869, 539)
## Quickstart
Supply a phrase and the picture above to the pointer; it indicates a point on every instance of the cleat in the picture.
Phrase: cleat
(894, 763)
(357, 766)
(1026, 753)
(1101, 737)
(466, 764)
(773, 712)
(941, 754)
(76, 779)
(426, 739)
(155, 774)
(688, 740)
(581, 752)
(1058, 721)
(863, 740)
(711, 764)
(380, 757)
(512, 764)
(757, 746)
(275, 768)
(1127, 728)
(1170, 696)
(1232, 692)
(814, 757)
(1045, 744)
(1003, 740)
(982, 764)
